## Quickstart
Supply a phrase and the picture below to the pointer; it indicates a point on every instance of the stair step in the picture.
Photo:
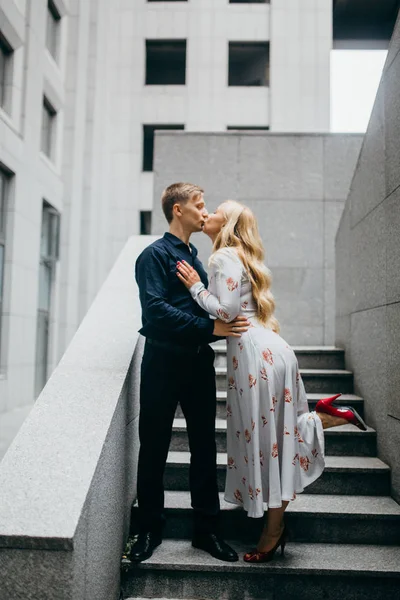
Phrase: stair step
(221, 346)
(308, 357)
(346, 399)
(315, 380)
(177, 570)
(346, 440)
(311, 518)
(355, 475)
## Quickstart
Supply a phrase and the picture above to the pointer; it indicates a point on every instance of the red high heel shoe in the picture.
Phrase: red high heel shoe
(255, 556)
(344, 412)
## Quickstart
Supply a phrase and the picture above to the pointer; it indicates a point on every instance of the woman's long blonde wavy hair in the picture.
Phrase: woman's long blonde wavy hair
(241, 232)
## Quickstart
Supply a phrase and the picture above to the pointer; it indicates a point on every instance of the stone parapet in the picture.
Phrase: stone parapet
(69, 477)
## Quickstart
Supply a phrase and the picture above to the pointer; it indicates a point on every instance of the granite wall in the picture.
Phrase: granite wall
(296, 185)
(368, 268)
(69, 477)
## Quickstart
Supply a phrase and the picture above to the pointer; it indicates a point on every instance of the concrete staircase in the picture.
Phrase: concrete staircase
(344, 532)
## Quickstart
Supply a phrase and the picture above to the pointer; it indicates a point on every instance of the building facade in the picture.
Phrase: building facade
(56, 241)
(84, 84)
(215, 65)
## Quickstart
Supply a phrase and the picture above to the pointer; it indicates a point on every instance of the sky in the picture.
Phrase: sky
(355, 76)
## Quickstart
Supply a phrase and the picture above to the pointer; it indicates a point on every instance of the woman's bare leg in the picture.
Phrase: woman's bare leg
(273, 528)
(330, 421)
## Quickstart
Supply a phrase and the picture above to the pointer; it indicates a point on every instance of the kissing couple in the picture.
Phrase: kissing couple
(275, 445)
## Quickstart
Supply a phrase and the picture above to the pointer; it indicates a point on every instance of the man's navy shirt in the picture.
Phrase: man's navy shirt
(169, 312)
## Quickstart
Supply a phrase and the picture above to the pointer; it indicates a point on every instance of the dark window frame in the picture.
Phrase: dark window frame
(6, 57)
(53, 29)
(177, 72)
(247, 127)
(53, 251)
(145, 222)
(249, 1)
(49, 114)
(234, 59)
(48, 257)
(5, 183)
(148, 131)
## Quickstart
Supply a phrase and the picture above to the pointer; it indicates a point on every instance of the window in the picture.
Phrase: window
(49, 254)
(4, 183)
(248, 64)
(148, 142)
(53, 29)
(165, 62)
(6, 53)
(48, 128)
(247, 128)
(145, 222)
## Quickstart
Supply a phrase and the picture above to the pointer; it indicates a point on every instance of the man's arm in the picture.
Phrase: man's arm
(152, 279)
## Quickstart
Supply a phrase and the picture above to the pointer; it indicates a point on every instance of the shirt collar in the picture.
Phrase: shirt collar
(179, 244)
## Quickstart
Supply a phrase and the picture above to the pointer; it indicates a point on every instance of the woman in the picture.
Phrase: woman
(275, 445)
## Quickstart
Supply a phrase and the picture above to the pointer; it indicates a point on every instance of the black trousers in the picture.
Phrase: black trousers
(166, 379)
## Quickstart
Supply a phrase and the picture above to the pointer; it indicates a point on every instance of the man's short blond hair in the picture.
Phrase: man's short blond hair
(178, 193)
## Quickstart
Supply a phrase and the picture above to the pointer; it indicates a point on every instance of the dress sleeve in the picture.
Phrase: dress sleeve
(151, 277)
(226, 268)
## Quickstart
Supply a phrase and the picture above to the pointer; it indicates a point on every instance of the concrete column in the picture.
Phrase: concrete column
(73, 167)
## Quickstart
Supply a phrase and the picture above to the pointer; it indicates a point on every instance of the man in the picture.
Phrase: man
(178, 366)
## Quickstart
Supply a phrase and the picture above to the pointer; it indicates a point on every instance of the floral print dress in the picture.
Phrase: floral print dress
(275, 445)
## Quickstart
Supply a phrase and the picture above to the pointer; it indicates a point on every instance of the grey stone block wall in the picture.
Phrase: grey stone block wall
(368, 268)
(296, 185)
(69, 477)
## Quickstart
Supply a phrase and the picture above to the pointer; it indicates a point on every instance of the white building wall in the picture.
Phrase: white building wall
(205, 103)
(34, 73)
(73, 168)
(75, 182)
(88, 204)
(301, 34)
(95, 180)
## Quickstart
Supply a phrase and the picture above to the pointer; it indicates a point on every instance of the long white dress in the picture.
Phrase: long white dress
(275, 445)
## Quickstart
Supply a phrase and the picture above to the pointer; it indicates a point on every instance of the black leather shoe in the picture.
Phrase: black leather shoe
(144, 546)
(214, 545)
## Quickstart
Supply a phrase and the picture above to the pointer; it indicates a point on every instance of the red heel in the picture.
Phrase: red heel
(328, 401)
(344, 412)
(261, 557)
